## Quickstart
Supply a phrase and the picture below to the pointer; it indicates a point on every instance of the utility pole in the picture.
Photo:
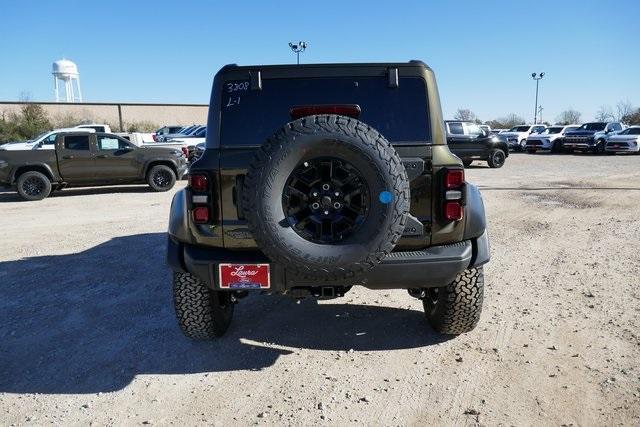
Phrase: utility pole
(537, 78)
(297, 48)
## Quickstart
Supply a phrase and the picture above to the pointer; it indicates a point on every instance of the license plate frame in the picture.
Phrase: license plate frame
(244, 276)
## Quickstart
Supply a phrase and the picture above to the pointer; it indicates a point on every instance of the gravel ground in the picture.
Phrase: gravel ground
(88, 331)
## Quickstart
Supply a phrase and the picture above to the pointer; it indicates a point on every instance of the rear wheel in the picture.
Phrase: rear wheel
(455, 309)
(496, 158)
(161, 178)
(202, 314)
(33, 186)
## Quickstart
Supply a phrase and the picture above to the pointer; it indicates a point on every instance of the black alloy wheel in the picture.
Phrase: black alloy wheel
(325, 200)
(33, 186)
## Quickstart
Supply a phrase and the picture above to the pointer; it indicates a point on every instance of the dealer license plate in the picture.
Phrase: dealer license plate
(244, 276)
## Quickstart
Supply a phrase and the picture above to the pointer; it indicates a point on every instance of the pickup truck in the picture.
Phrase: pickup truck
(516, 137)
(83, 159)
(591, 137)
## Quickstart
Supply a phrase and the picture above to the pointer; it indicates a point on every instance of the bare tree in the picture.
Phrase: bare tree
(605, 114)
(623, 108)
(568, 117)
(464, 114)
(511, 120)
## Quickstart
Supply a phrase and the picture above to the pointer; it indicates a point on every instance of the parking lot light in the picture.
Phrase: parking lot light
(537, 78)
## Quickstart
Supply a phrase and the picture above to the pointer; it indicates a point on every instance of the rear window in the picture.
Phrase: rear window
(76, 142)
(249, 117)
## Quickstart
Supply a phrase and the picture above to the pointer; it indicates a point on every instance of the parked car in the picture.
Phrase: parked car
(549, 140)
(82, 159)
(167, 130)
(44, 141)
(98, 127)
(470, 142)
(516, 137)
(626, 141)
(182, 133)
(591, 137)
(194, 138)
(140, 139)
(486, 128)
(326, 202)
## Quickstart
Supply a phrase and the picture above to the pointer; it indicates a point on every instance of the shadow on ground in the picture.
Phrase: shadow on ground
(10, 195)
(91, 321)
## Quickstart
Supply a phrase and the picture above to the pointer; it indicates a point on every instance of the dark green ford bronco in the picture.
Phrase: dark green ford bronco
(317, 178)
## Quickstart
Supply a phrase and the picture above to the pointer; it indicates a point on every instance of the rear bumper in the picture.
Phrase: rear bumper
(432, 267)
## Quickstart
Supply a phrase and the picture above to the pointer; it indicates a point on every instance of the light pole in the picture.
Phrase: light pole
(540, 113)
(537, 78)
(297, 48)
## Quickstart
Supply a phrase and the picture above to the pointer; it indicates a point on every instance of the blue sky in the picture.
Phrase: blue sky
(483, 52)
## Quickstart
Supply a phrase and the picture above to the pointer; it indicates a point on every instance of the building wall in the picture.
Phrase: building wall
(118, 114)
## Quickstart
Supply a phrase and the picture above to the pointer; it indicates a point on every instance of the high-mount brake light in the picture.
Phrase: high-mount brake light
(349, 110)
(198, 182)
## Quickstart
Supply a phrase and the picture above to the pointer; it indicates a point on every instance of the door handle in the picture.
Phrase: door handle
(67, 157)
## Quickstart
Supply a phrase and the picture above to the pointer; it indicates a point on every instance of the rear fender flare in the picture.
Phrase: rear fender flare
(476, 222)
(178, 218)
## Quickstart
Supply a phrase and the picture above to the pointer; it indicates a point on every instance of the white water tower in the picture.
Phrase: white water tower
(67, 71)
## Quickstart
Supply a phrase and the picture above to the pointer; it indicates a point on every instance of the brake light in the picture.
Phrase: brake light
(185, 151)
(155, 138)
(453, 183)
(453, 211)
(201, 215)
(349, 110)
(198, 182)
(453, 178)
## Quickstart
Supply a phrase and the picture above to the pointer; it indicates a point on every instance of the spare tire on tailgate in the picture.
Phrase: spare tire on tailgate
(327, 197)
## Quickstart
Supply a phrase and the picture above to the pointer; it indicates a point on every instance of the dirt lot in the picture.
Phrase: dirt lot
(87, 330)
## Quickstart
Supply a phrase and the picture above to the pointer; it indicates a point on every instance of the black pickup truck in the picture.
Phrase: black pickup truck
(82, 159)
(470, 142)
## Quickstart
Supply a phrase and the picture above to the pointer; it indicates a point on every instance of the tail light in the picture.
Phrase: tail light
(201, 214)
(453, 183)
(201, 208)
(199, 183)
(185, 151)
(155, 138)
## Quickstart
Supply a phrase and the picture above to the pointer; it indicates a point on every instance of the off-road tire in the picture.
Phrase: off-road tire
(497, 158)
(33, 185)
(161, 171)
(202, 314)
(457, 308)
(467, 162)
(315, 137)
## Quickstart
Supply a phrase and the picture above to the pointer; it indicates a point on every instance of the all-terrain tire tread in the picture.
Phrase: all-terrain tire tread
(376, 144)
(459, 303)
